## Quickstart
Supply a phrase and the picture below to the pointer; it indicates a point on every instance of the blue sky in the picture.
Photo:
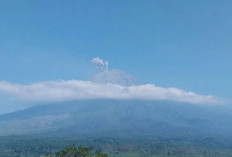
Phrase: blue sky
(182, 44)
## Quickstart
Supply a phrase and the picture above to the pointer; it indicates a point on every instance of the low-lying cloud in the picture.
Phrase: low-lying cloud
(106, 84)
(55, 91)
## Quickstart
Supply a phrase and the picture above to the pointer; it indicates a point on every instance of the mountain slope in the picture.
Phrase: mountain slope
(119, 118)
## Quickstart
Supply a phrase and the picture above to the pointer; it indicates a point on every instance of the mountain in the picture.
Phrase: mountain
(115, 77)
(131, 118)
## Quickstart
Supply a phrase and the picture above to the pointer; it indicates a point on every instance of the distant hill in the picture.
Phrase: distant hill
(130, 118)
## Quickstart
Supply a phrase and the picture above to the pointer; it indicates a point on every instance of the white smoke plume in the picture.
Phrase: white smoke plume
(100, 64)
(104, 75)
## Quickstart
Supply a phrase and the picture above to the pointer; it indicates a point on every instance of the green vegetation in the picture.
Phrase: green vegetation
(24, 146)
(73, 151)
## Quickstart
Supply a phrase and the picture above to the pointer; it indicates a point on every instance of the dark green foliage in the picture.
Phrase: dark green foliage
(100, 155)
(73, 151)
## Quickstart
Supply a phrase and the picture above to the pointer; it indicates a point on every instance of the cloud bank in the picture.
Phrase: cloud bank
(106, 84)
(55, 91)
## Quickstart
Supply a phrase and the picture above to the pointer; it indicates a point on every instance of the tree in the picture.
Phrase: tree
(73, 151)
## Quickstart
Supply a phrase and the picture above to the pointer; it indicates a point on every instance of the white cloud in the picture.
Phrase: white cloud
(100, 64)
(55, 91)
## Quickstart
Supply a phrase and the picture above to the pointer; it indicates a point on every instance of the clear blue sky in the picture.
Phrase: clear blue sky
(183, 44)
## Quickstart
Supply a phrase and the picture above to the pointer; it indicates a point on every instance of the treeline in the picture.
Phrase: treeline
(24, 146)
